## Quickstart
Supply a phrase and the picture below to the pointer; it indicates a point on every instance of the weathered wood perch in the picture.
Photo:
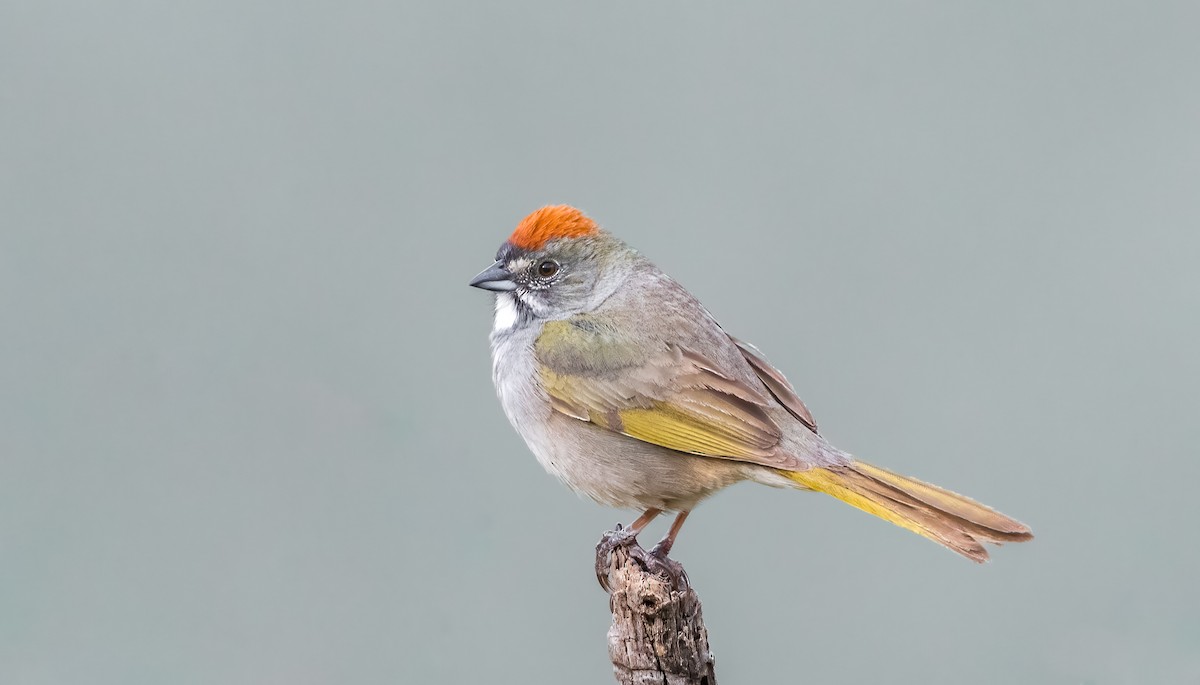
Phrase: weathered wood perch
(657, 634)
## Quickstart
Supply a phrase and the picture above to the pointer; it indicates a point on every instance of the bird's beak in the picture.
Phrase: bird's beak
(495, 277)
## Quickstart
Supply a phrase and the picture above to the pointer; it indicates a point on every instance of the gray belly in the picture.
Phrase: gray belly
(620, 471)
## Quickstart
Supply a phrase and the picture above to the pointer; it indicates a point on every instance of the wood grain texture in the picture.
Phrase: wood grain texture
(657, 635)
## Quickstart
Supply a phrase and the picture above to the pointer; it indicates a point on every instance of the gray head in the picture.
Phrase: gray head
(556, 263)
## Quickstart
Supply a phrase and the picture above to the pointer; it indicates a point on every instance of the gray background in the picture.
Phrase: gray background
(248, 431)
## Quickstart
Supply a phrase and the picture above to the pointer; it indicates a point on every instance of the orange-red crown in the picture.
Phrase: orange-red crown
(551, 223)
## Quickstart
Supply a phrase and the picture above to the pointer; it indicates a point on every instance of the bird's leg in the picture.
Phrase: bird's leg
(663, 548)
(657, 559)
(620, 537)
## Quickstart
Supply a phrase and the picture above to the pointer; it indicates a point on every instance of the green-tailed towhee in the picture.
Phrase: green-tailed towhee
(628, 390)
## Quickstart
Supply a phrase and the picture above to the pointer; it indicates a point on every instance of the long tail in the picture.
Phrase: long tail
(945, 517)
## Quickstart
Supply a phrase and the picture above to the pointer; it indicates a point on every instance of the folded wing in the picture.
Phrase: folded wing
(668, 396)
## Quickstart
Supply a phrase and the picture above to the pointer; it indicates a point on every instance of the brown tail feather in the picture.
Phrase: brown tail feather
(945, 517)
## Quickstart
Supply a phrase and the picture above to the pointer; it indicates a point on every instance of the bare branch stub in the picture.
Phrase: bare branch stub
(657, 634)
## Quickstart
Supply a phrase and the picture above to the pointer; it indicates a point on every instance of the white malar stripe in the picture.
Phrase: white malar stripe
(506, 312)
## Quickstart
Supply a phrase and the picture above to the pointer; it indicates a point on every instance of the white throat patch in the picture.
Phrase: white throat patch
(506, 312)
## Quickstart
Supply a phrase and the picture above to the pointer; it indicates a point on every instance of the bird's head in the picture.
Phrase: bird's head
(556, 263)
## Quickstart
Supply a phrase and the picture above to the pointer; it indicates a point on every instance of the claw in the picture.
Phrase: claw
(612, 540)
(657, 561)
(621, 537)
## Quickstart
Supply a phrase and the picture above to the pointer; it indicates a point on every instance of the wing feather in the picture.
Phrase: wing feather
(776, 383)
(671, 396)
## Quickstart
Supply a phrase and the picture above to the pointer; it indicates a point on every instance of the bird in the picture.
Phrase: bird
(627, 389)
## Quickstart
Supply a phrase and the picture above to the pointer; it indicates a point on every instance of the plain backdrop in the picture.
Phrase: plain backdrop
(248, 433)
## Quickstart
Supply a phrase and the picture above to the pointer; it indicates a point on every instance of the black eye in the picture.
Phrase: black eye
(547, 268)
